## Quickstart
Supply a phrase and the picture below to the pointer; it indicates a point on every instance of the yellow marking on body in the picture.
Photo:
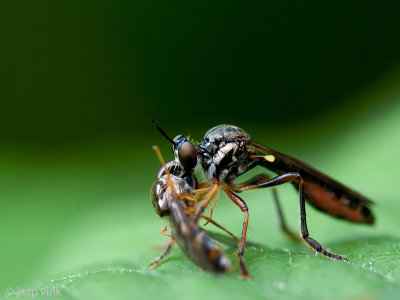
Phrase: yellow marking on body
(270, 158)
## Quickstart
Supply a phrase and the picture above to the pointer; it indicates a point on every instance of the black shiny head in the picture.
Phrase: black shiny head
(184, 151)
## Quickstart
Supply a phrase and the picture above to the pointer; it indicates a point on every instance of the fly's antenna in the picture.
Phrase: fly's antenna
(163, 133)
(161, 159)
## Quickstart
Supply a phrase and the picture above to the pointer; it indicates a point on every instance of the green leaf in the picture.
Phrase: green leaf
(81, 220)
(297, 273)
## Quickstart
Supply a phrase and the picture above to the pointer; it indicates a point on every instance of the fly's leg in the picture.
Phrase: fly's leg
(203, 206)
(155, 262)
(304, 231)
(289, 177)
(202, 190)
(253, 180)
(263, 178)
(202, 184)
(243, 207)
(281, 218)
(212, 209)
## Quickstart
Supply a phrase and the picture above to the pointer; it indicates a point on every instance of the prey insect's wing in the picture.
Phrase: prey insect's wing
(322, 191)
(194, 242)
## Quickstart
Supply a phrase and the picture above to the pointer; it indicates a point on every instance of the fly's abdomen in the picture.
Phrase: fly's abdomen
(338, 203)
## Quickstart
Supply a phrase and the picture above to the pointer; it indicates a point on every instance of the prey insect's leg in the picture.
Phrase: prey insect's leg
(263, 178)
(289, 177)
(188, 197)
(163, 255)
(206, 202)
(243, 207)
(163, 230)
(221, 227)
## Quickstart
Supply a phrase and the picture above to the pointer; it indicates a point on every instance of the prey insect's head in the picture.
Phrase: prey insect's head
(184, 151)
(170, 185)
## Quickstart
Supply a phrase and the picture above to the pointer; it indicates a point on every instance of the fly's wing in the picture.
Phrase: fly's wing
(323, 192)
(194, 242)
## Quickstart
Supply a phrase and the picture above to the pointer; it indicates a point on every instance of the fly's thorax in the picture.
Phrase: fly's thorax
(224, 152)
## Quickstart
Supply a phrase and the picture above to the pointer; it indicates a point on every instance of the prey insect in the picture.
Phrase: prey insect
(172, 197)
(228, 152)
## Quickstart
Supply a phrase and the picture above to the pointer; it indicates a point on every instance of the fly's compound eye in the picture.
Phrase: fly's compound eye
(185, 152)
(187, 155)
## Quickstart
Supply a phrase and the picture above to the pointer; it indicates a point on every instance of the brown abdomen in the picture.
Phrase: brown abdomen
(338, 203)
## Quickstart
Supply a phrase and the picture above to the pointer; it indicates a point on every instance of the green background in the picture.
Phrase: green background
(79, 82)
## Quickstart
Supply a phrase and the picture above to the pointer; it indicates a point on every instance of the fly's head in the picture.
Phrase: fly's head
(181, 179)
(184, 151)
(224, 153)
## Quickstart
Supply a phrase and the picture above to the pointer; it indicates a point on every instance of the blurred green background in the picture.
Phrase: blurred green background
(79, 82)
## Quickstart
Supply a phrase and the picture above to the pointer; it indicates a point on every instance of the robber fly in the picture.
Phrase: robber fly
(172, 197)
(227, 152)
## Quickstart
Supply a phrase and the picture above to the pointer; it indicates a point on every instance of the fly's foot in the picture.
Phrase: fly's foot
(313, 244)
